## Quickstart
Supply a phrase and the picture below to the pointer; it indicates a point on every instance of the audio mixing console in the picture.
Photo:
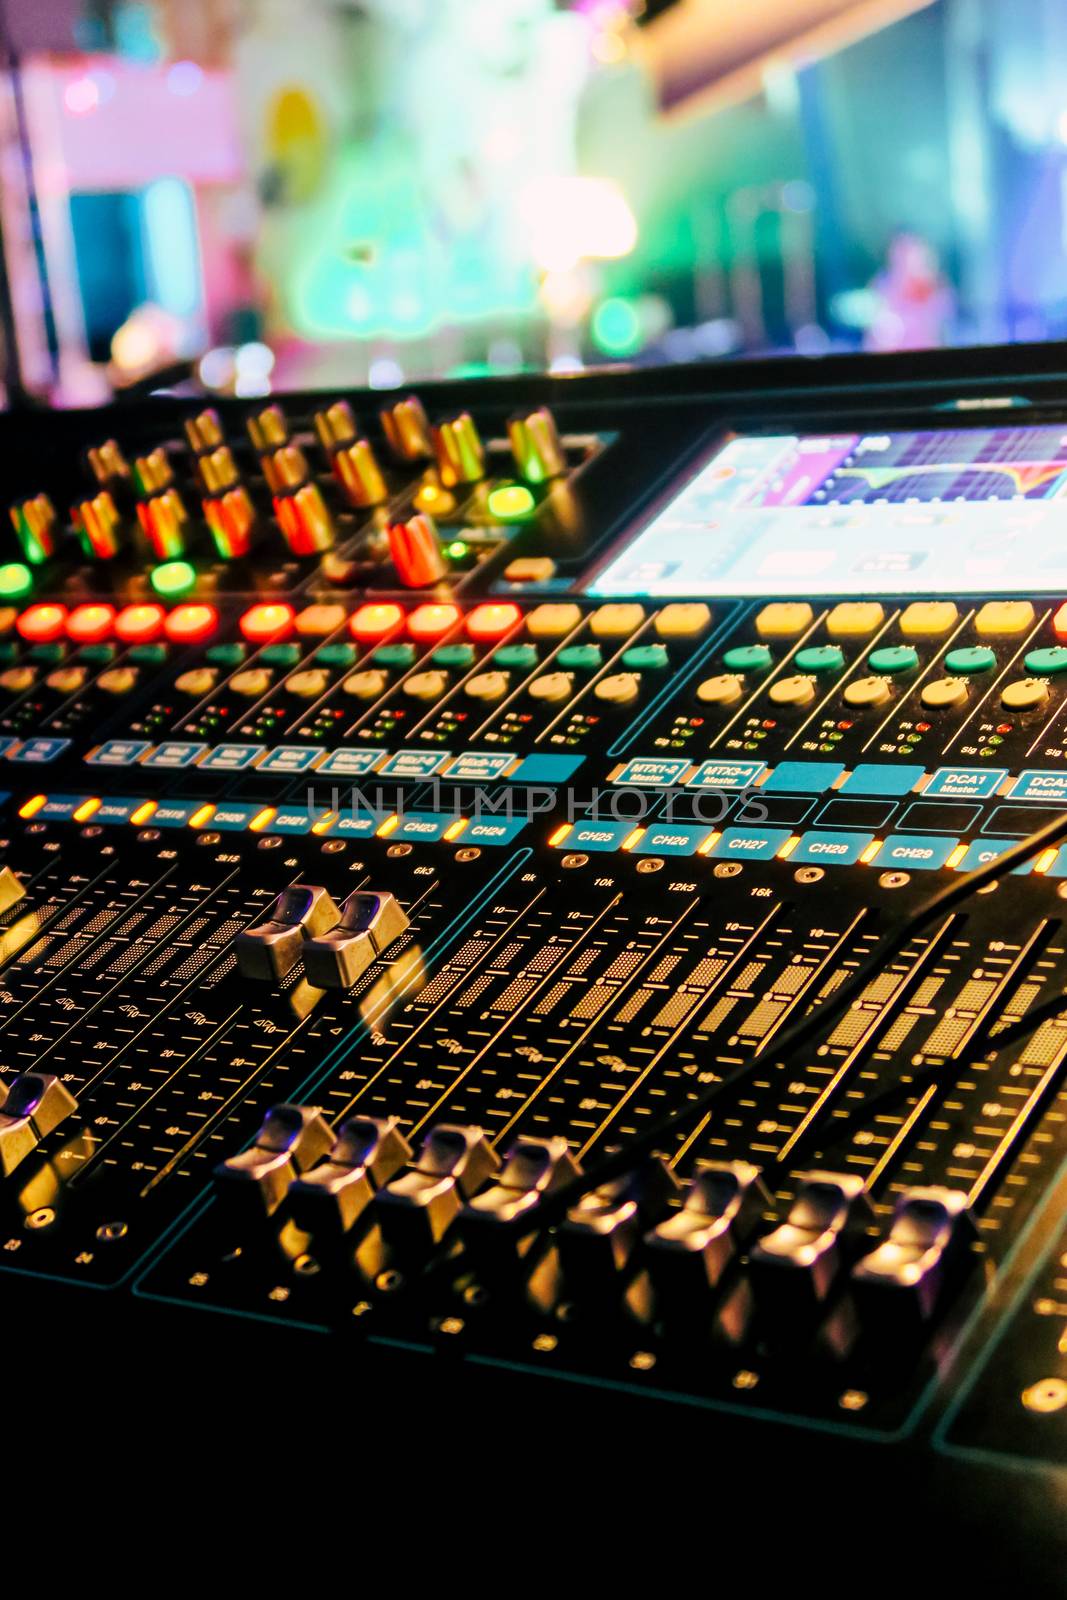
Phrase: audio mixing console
(558, 875)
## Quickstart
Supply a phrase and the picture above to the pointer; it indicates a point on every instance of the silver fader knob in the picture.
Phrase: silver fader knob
(331, 1198)
(290, 1140)
(504, 1216)
(369, 923)
(930, 1230)
(800, 1260)
(417, 1208)
(272, 948)
(36, 1102)
(688, 1252)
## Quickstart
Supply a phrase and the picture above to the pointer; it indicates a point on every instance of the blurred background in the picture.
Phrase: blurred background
(289, 193)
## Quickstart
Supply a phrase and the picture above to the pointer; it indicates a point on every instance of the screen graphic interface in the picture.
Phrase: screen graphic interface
(943, 512)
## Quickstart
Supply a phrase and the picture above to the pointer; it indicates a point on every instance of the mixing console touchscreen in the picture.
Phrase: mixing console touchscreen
(566, 875)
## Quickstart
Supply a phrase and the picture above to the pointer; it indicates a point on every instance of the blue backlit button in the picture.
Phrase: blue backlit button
(60, 807)
(38, 752)
(118, 753)
(880, 778)
(173, 755)
(1035, 784)
(358, 824)
(671, 839)
(492, 830)
(114, 811)
(290, 758)
(983, 850)
(818, 849)
(751, 844)
(726, 775)
(5, 745)
(803, 777)
(231, 757)
(174, 813)
(292, 819)
(747, 658)
(596, 836)
(229, 818)
(350, 763)
(653, 773)
(915, 852)
(414, 763)
(479, 766)
(422, 825)
(545, 769)
(964, 783)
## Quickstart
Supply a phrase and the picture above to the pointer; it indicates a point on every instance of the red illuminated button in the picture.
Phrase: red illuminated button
(427, 623)
(41, 624)
(140, 624)
(371, 623)
(190, 624)
(89, 624)
(265, 622)
(492, 622)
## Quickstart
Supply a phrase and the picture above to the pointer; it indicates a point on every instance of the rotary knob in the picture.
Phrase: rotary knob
(335, 427)
(459, 451)
(536, 446)
(407, 430)
(268, 429)
(416, 552)
(359, 474)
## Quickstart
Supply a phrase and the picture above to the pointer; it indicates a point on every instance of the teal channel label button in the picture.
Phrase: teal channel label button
(653, 772)
(964, 783)
(820, 849)
(492, 831)
(981, 851)
(671, 839)
(879, 778)
(911, 852)
(1038, 784)
(750, 844)
(726, 774)
(803, 777)
(596, 836)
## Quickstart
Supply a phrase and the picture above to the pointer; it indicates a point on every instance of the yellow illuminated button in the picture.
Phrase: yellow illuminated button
(942, 693)
(1059, 622)
(853, 618)
(198, 681)
(928, 618)
(67, 680)
(870, 691)
(794, 691)
(721, 690)
(256, 681)
(17, 679)
(308, 685)
(552, 621)
(530, 569)
(366, 685)
(682, 619)
(426, 685)
(619, 688)
(9, 616)
(784, 619)
(612, 621)
(1026, 694)
(487, 686)
(117, 680)
(551, 686)
(315, 622)
(998, 617)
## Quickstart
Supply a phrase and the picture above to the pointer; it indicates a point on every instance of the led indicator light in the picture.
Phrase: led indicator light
(173, 578)
(191, 624)
(492, 621)
(510, 500)
(42, 624)
(140, 624)
(264, 622)
(90, 624)
(374, 622)
(16, 581)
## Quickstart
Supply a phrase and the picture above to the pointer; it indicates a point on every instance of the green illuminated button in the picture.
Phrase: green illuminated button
(896, 658)
(972, 658)
(98, 655)
(453, 655)
(1052, 659)
(747, 658)
(457, 550)
(510, 500)
(645, 656)
(226, 655)
(148, 655)
(820, 658)
(516, 657)
(9, 651)
(280, 655)
(16, 580)
(580, 658)
(394, 655)
(48, 653)
(173, 578)
(336, 655)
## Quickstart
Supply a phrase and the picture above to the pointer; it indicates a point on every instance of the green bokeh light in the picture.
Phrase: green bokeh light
(616, 327)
